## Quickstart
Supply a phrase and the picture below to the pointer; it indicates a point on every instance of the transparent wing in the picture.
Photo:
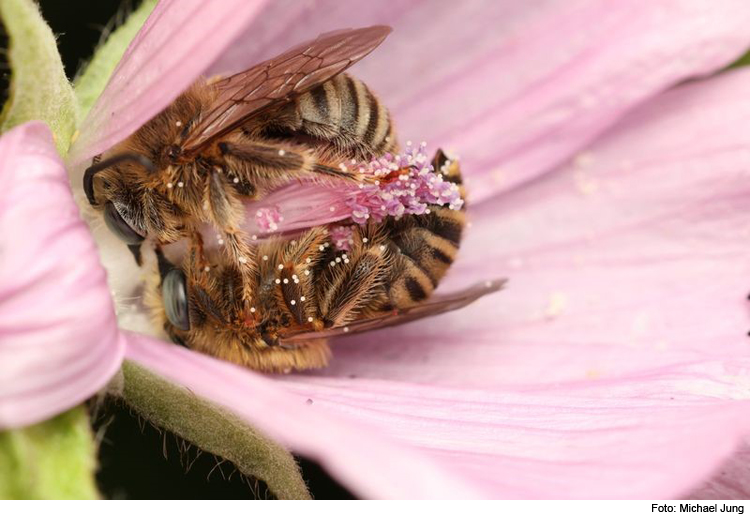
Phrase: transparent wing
(278, 80)
(435, 306)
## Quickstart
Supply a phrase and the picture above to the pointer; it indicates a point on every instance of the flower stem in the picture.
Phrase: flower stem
(213, 430)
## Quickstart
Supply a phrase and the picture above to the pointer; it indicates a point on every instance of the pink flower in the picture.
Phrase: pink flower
(615, 365)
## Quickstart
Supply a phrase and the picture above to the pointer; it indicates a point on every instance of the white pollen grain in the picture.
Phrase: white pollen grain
(292, 302)
(286, 281)
(365, 240)
(207, 268)
(281, 266)
(282, 152)
(178, 123)
(346, 329)
(252, 309)
(309, 319)
(236, 180)
(278, 281)
(243, 260)
(307, 272)
(169, 185)
(308, 260)
(180, 185)
(303, 298)
(382, 248)
(265, 257)
(338, 259)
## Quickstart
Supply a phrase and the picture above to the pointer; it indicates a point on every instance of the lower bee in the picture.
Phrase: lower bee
(306, 289)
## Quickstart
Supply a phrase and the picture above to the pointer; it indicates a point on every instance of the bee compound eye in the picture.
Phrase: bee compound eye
(117, 224)
(175, 299)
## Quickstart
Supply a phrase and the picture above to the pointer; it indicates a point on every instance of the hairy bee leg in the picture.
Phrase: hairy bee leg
(279, 160)
(299, 258)
(243, 257)
(354, 281)
(226, 213)
(197, 254)
(286, 281)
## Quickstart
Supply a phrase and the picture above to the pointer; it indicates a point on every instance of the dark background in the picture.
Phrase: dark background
(135, 459)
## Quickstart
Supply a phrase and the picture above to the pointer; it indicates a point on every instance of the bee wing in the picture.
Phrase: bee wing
(277, 80)
(435, 306)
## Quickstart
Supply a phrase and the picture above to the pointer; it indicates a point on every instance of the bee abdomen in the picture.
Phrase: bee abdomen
(427, 244)
(345, 112)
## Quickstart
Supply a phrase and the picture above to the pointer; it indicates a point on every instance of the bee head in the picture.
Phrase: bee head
(118, 214)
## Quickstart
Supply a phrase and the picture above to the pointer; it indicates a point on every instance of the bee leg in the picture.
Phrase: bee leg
(243, 258)
(353, 282)
(277, 161)
(226, 213)
(197, 255)
(298, 259)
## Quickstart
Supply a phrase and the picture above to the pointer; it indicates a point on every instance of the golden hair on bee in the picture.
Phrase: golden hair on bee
(271, 304)
(307, 288)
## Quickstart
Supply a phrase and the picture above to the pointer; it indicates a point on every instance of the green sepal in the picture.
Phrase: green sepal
(95, 75)
(39, 88)
(212, 429)
(51, 460)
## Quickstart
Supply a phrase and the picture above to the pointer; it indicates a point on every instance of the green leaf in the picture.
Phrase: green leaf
(93, 78)
(51, 460)
(744, 60)
(39, 88)
(213, 430)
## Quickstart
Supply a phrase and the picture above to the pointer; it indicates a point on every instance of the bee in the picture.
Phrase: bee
(272, 305)
(306, 290)
(239, 137)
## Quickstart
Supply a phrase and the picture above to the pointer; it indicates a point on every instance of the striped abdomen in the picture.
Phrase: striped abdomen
(427, 245)
(346, 114)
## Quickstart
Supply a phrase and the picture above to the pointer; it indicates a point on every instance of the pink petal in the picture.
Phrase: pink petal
(632, 257)
(368, 463)
(59, 341)
(177, 43)
(638, 437)
(573, 370)
(630, 438)
(628, 275)
(514, 88)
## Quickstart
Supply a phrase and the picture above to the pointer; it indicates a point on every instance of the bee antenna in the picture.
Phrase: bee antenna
(88, 175)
